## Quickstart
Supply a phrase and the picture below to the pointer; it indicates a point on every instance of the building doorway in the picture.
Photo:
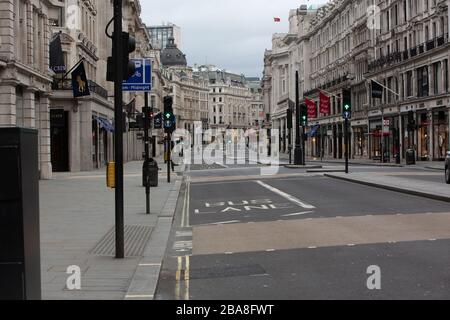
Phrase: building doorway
(59, 132)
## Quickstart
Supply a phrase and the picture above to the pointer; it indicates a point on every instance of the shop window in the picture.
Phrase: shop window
(440, 134)
(422, 81)
(424, 138)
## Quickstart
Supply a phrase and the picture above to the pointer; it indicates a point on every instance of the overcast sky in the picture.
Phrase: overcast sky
(231, 34)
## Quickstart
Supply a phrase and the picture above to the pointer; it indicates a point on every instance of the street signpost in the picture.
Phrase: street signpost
(141, 81)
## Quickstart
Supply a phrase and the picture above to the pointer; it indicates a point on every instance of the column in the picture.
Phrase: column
(7, 105)
(430, 68)
(29, 110)
(414, 82)
(352, 142)
(44, 137)
(442, 88)
(85, 151)
(7, 29)
(400, 133)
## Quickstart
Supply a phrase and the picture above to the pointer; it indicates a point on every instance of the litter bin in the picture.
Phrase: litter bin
(150, 173)
(410, 157)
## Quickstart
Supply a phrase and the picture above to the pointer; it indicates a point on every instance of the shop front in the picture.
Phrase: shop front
(440, 134)
(424, 138)
(385, 139)
(360, 142)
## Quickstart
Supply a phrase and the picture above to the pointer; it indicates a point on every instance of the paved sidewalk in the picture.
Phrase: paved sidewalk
(77, 212)
(435, 165)
(400, 183)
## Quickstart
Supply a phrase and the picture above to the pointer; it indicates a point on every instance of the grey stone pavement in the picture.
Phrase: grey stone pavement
(436, 165)
(77, 211)
(401, 182)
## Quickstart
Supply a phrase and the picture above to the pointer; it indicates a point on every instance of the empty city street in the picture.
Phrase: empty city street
(304, 236)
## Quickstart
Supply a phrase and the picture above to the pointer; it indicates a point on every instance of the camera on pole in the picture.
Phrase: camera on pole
(129, 68)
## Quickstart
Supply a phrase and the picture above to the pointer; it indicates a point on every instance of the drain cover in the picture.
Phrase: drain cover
(136, 237)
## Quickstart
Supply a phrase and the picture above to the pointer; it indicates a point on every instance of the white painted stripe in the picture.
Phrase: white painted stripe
(219, 223)
(286, 196)
(134, 296)
(150, 265)
(297, 214)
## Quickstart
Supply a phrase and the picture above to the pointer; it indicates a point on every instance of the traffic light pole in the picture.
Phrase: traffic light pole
(346, 143)
(169, 142)
(290, 145)
(147, 120)
(303, 146)
(298, 148)
(118, 132)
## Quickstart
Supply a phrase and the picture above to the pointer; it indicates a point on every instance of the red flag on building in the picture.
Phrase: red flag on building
(276, 19)
(324, 104)
(312, 108)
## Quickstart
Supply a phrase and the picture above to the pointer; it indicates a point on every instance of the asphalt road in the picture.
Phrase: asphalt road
(304, 236)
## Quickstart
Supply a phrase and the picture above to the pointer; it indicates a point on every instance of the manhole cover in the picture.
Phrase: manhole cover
(136, 238)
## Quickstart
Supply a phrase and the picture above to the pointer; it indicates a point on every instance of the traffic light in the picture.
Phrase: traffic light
(347, 104)
(168, 116)
(303, 115)
(129, 68)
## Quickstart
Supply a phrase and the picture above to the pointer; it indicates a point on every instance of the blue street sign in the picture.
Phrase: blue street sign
(142, 78)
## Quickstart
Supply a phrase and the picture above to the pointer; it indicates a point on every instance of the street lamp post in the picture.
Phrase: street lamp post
(118, 133)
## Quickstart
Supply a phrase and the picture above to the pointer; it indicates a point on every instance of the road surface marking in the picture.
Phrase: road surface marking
(297, 214)
(286, 196)
(219, 223)
(150, 265)
(186, 277)
(178, 277)
(188, 202)
(137, 296)
(180, 234)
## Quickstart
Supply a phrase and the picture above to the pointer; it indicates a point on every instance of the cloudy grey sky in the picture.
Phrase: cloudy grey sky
(231, 34)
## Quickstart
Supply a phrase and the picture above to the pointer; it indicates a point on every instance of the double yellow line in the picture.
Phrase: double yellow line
(182, 292)
(182, 276)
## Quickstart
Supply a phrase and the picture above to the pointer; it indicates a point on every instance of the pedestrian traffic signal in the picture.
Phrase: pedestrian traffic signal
(168, 116)
(129, 68)
(303, 115)
(347, 104)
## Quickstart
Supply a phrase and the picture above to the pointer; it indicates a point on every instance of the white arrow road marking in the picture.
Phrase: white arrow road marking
(219, 223)
(297, 214)
(286, 196)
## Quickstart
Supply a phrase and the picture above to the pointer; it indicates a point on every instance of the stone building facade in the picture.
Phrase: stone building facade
(24, 71)
(230, 98)
(344, 45)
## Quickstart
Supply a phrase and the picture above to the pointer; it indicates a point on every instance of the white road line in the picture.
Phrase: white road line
(297, 214)
(138, 296)
(218, 223)
(286, 196)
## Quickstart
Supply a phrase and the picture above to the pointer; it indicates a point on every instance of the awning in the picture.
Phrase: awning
(105, 124)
